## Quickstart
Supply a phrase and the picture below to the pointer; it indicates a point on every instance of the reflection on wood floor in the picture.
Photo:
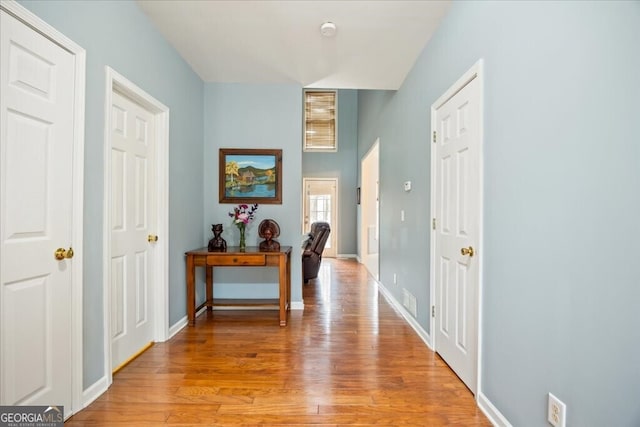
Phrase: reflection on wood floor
(347, 359)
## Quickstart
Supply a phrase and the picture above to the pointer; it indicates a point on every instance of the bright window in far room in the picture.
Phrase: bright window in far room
(320, 121)
(320, 210)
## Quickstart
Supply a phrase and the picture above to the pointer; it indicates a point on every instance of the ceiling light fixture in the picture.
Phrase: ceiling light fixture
(328, 29)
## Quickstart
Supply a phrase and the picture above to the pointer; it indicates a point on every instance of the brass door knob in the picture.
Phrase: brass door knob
(467, 251)
(152, 238)
(62, 253)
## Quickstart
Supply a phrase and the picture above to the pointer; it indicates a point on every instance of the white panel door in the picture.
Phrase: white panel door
(457, 231)
(321, 204)
(133, 220)
(36, 103)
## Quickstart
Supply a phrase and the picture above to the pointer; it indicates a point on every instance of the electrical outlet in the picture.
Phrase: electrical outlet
(402, 215)
(395, 279)
(556, 412)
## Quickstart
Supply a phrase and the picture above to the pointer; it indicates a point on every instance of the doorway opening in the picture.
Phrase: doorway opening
(321, 204)
(369, 210)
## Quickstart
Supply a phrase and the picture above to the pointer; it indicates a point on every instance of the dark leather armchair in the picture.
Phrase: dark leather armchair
(312, 255)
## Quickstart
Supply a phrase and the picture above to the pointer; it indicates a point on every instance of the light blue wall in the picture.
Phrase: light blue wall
(561, 198)
(343, 165)
(118, 34)
(401, 121)
(254, 116)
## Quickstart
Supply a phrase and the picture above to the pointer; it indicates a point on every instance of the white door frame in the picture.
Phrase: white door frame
(79, 55)
(334, 209)
(475, 72)
(160, 287)
(365, 258)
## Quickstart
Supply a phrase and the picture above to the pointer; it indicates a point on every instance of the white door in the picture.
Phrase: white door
(36, 153)
(133, 226)
(457, 219)
(321, 204)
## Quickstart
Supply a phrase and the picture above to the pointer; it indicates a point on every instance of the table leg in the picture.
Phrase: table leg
(191, 291)
(209, 287)
(282, 268)
(288, 258)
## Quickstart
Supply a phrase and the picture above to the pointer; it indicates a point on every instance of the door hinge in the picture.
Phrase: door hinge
(434, 136)
(433, 311)
(433, 223)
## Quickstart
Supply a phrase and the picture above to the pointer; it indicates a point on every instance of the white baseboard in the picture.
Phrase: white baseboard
(177, 327)
(94, 391)
(493, 414)
(355, 256)
(180, 324)
(295, 305)
(424, 336)
(496, 418)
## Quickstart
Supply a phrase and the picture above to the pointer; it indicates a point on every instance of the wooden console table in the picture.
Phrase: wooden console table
(251, 257)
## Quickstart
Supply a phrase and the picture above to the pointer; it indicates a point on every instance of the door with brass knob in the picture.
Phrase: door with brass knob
(62, 253)
(40, 292)
(467, 251)
(456, 178)
(134, 247)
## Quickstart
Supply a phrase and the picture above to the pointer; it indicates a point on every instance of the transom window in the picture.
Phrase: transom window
(320, 121)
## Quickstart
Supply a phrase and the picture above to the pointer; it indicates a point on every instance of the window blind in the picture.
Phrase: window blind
(320, 121)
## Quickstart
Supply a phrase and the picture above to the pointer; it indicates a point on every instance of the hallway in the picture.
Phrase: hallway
(347, 359)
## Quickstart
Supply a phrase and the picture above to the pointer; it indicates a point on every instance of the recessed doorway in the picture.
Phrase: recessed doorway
(321, 204)
(369, 210)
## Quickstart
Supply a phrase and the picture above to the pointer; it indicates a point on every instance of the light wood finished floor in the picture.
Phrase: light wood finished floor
(348, 359)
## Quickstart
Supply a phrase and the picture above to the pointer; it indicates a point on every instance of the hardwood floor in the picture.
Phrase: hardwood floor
(347, 359)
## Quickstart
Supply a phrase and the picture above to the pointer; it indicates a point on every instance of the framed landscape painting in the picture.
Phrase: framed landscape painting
(250, 176)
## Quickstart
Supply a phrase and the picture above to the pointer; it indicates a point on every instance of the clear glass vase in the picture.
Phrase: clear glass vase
(243, 243)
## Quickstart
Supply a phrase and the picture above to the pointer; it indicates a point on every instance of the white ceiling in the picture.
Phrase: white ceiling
(376, 44)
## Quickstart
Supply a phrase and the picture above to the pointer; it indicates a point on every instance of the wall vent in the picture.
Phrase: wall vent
(409, 302)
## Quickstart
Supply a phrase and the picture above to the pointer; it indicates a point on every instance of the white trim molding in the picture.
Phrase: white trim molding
(79, 54)
(349, 256)
(94, 391)
(182, 323)
(424, 336)
(178, 326)
(496, 418)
